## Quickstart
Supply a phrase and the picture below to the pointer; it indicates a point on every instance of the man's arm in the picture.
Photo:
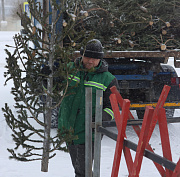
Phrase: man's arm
(107, 113)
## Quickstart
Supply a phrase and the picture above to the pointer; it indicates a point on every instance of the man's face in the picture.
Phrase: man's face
(90, 62)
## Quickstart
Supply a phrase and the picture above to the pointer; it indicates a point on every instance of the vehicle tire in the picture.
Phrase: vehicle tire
(168, 68)
(157, 90)
(140, 114)
(169, 113)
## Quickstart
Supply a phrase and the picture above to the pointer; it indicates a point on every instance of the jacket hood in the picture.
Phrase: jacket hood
(102, 67)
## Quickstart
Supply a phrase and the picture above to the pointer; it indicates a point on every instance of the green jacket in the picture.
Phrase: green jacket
(72, 109)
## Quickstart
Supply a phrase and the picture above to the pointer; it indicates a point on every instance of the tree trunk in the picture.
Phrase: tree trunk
(48, 112)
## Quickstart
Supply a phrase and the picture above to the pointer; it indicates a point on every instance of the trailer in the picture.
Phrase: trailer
(142, 75)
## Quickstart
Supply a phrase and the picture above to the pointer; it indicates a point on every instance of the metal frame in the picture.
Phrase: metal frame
(148, 152)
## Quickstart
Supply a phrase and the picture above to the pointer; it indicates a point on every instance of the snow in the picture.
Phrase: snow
(60, 165)
(5, 22)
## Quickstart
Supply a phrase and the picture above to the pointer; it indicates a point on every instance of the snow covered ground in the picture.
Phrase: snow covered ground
(60, 165)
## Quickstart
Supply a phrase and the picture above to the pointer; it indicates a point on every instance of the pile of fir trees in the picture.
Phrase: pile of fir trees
(135, 24)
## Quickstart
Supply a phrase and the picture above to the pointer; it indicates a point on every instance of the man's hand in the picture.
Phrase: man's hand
(46, 70)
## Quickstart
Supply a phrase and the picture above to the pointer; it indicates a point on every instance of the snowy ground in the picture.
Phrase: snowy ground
(60, 165)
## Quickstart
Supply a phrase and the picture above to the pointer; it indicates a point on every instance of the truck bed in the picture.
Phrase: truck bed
(156, 56)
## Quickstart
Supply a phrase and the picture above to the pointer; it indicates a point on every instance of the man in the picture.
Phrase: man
(93, 72)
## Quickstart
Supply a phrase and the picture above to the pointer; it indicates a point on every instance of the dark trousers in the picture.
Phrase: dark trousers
(77, 153)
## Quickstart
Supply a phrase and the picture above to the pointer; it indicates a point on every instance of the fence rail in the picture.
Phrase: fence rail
(137, 122)
(143, 149)
(150, 155)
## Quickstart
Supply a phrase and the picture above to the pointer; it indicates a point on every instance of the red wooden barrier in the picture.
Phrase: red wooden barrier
(176, 172)
(150, 119)
(128, 158)
(136, 128)
(160, 105)
(165, 138)
(121, 126)
(142, 142)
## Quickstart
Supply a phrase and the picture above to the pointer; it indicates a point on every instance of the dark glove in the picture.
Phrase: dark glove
(46, 70)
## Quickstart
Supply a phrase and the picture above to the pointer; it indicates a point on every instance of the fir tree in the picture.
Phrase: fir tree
(39, 70)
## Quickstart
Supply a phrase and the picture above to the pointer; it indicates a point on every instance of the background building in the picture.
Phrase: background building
(11, 21)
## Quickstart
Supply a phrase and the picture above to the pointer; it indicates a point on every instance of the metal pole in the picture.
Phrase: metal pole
(97, 141)
(88, 132)
(3, 11)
